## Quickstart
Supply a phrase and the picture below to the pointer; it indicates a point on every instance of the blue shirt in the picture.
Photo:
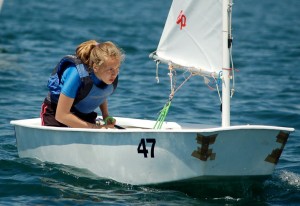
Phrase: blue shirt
(71, 82)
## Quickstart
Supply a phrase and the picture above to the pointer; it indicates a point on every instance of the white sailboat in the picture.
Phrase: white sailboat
(196, 38)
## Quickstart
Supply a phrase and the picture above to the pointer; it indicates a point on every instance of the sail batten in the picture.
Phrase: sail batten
(192, 36)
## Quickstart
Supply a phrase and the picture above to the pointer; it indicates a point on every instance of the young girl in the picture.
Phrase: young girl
(79, 84)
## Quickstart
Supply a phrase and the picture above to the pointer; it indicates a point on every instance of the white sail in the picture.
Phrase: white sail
(192, 36)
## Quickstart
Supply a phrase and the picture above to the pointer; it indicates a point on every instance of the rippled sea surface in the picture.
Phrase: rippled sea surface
(34, 35)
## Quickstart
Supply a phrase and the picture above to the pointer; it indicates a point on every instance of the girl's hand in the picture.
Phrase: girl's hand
(110, 122)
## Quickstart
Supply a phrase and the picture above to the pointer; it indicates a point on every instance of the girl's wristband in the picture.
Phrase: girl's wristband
(109, 118)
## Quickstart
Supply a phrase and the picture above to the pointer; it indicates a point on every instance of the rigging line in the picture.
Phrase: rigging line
(157, 78)
(163, 113)
(233, 74)
(229, 13)
(171, 82)
(229, 10)
(173, 85)
(186, 79)
(162, 116)
(217, 85)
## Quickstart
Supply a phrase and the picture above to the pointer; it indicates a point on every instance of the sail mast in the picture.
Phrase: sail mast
(226, 65)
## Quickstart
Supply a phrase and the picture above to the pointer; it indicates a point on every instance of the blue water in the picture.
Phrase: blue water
(35, 34)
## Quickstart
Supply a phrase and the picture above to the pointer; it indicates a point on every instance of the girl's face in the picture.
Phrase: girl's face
(108, 71)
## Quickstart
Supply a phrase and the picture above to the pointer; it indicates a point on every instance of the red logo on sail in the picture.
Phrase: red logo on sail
(181, 19)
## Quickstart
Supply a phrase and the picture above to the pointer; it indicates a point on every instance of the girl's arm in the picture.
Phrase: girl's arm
(64, 115)
(104, 110)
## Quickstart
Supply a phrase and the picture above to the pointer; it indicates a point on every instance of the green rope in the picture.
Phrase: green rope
(162, 116)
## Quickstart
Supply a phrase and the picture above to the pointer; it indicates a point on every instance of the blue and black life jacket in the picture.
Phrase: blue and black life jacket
(86, 81)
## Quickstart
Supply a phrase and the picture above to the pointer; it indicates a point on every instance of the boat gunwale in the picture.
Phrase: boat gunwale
(24, 123)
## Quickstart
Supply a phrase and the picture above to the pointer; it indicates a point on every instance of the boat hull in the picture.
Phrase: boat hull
(139, 155)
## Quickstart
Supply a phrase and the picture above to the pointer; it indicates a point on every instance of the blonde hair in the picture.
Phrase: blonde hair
(91, 52)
